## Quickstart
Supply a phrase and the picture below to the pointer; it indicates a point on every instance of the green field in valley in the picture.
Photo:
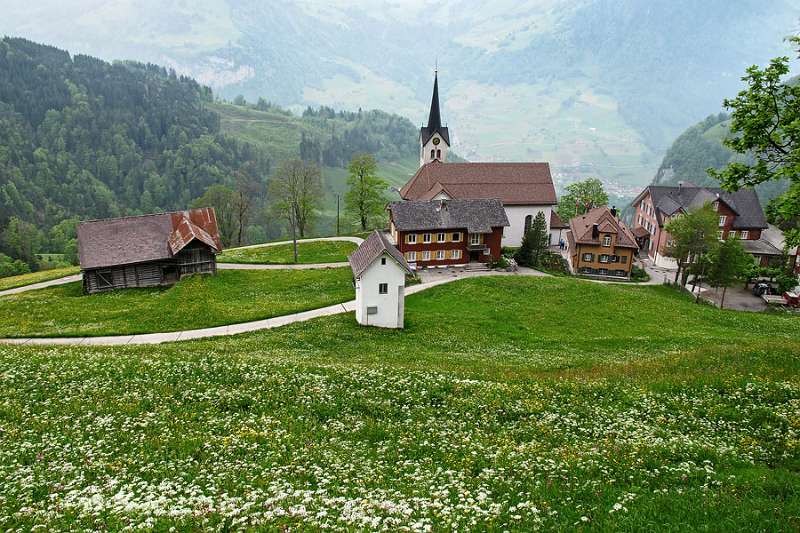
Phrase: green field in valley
(195, 302)
(13, 282)
(507, 404)
(307, 252)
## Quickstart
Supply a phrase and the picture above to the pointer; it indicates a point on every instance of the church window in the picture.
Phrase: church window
(528, 222)
(438, 154)
(433, 154)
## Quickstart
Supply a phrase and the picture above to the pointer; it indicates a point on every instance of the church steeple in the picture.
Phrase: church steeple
(434, 139)
(435, 117)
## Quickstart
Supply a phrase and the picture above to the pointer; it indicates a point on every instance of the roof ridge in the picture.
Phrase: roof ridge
(127, 217)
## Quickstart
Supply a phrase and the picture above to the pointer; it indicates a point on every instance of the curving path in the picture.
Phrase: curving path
(235, 329)
(355, 240)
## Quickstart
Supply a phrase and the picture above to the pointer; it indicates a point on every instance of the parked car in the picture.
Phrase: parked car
(761, 288)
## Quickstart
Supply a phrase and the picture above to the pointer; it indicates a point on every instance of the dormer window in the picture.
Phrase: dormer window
(383, 260)
(606, 240)
(722, 220)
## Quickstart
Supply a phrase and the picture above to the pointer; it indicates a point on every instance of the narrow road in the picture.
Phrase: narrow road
(245, 327)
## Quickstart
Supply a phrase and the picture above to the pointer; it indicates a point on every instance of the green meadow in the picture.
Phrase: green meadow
(307, 252)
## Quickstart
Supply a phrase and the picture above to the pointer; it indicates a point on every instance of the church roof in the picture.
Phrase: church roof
(434, 118)
(511, 183)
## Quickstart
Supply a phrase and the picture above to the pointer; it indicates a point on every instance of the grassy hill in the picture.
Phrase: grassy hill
(506, 404)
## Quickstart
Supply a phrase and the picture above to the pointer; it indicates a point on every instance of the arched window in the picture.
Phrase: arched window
(528, 222)
(438, 154)
(433, 154)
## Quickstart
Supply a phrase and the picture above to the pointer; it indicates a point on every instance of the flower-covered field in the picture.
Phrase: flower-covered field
(485, 421)
(307, 252)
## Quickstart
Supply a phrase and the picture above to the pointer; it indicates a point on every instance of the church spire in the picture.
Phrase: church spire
(435, 118)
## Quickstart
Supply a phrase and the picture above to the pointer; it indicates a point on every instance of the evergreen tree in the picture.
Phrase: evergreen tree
(365, 199)
(534, 243)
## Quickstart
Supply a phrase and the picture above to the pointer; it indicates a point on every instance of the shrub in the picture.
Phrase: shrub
(639, 274)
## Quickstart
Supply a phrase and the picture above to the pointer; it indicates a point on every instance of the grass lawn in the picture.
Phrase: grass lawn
(307, 252)
(508, 404)
(196, 302)
(13, 282)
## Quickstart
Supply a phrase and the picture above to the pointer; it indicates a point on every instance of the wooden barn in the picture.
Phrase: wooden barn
(149, 250)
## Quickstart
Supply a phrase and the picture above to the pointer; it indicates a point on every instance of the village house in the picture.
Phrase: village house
(525, 189)
(558, 229)
(601, 245)
(740, 215)
(149, 250)
(444, 232)
(379, 276)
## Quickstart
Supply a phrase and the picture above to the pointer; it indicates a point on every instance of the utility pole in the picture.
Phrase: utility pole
(337, 213)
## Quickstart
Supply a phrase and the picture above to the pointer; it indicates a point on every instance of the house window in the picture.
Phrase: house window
(719, 234)
(383, 288)
(732, 234)
(383, 260)
(441, 237)
(426, 237)
(603, 258)
(439, 255)
(623, 259)
(603, 271)
(588, 257)
(411, 238)
(475, 238)
(621, 273)
(606, 240)
(528, 222)
(722, 220)
(614, 259)
(105, 279)
(457, 237)
(744, 235)
(411, 256)
(455, 254)
(426, 255)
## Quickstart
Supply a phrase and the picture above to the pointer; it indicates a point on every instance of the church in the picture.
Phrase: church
(525, 189)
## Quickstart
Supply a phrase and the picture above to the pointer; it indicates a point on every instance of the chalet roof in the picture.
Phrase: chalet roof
(476, 216)
(581, 228)
(434, 118)
(556, 222)
(744, 202)
(128, 240)
(511, 183)
(372, 248)
(760, 247)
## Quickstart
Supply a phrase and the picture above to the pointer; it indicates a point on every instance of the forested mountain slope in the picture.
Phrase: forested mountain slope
(699, 148)
(83, 138)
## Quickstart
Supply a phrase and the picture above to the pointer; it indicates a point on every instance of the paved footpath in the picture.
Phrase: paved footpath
(431, 279)
(42, 285)
(355, 240)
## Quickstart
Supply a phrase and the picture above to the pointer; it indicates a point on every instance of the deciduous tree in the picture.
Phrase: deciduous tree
(295, 190)
(765, 125)
(580, 197)
(694, 234)
(365, 199)
(728, 263)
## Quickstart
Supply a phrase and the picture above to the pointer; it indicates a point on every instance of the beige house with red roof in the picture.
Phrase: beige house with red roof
(601, 245)
(525, 189)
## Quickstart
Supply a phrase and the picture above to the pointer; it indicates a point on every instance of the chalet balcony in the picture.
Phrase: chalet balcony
(477, 247)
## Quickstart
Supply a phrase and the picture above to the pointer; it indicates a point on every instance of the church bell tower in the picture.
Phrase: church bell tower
(434, 139)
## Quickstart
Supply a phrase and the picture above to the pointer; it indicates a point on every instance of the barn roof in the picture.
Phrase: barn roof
(127, 240)
(372, 248)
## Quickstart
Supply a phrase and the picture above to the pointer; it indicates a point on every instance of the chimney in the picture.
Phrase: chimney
(614, 211)
(595, 231)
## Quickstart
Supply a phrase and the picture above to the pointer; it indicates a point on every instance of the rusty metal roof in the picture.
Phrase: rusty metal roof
(127, 240)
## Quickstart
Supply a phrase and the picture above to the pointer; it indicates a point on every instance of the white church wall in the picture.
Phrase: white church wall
(512, 236)
(425, 153)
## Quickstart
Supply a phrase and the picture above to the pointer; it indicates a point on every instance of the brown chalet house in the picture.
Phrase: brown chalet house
(740, 215)
(149, 250)
(601, 245)
(439, 233)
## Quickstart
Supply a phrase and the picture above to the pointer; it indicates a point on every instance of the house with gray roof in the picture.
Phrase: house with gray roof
(448, 232)
(379, 277)
(740, 215)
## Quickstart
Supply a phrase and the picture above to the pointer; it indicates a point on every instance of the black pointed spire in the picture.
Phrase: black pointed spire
(435, 118)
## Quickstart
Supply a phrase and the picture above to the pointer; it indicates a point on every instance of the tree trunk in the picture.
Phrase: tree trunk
(722, 301)
(678, 272)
